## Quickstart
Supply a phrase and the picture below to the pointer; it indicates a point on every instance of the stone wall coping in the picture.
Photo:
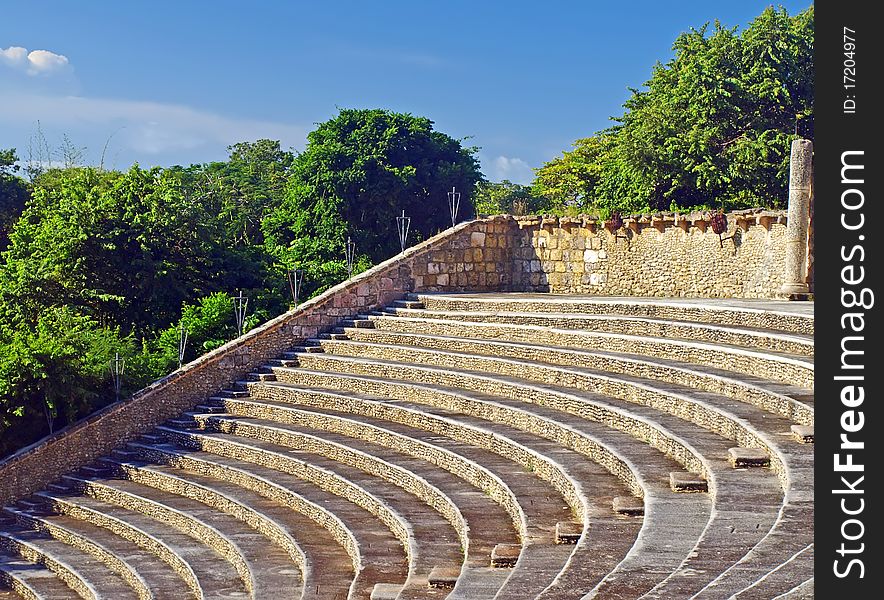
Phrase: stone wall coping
(584, 220)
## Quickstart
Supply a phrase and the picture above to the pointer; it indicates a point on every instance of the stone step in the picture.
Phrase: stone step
(743, 423)
(363, 323)
(536, 555)
(265, 506)
(319, 399)
(772, 397)
(731, 496)
(721, 470)
(260, 376)
(793, 370)
(204, 572)
(539, 525)
(761, 314)
(281, 362)
(221, 536)
(85, 574)
(337, 438)
(776, 341)
(326, 525)
(232, 393)
(415, 304)
(431, 534)
(27, 580)
(140, 569)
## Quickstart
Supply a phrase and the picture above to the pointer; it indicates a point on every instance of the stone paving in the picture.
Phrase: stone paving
(468, 446)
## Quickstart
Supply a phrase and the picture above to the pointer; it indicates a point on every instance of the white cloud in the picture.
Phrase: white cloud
(150, 128)
(35, 62)
(515, 170)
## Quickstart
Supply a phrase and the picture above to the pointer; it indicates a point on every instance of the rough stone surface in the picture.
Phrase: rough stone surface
(803, 433)
(685, 481)
(443, 577)
(568, 532)
(628, 505)
(748, 457)
(505, 555)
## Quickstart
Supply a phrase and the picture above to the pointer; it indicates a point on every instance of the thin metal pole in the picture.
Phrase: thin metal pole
(118, 365)
(453, 205)
(182, 344)
(296, 281)
(350, 251)
(402, 225)
(240, 306)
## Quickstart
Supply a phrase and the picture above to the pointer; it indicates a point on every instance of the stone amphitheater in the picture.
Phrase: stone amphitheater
(445, 425)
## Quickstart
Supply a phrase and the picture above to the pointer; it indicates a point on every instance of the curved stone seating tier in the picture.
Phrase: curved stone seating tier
(755, 436)
(31, 581)
(487, 522)
(537, 501)
(758, 314)
(776, 341)
(432, 537)
(767, 364)
(788, 401)
(207, 573)
(152, 575)
(85, 575)
(244, 495)
(466, 446)
(595, 553)
(671, 530)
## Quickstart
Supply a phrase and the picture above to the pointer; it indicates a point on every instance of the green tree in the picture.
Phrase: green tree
(506, 197)
(209, 323)
(360, 170)
(711, 128)
(124, 248)
(54, 373)
(14, 194)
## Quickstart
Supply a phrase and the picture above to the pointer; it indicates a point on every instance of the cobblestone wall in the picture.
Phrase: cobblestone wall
(661, 255)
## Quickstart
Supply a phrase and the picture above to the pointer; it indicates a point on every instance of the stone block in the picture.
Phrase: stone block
(803, 433)
(568, 532)
(748, 457)
(477, 238)
(628, 505)
(443, 577)
(505, 555)
(432, 268)
(386, 591)
(684, 481)
(442, 279)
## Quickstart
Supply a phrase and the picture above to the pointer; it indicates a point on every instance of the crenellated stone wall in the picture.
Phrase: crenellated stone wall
(667, 255)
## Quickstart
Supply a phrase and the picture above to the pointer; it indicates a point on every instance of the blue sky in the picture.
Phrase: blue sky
(167, 83)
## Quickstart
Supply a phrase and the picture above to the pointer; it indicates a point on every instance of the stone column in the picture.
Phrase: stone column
(800, 190)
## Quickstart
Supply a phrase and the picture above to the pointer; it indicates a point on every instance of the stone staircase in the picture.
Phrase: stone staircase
(468, 446)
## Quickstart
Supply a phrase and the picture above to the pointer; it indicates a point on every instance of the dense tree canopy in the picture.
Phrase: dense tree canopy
(13, 194)
(712, 127)
(360, 170)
